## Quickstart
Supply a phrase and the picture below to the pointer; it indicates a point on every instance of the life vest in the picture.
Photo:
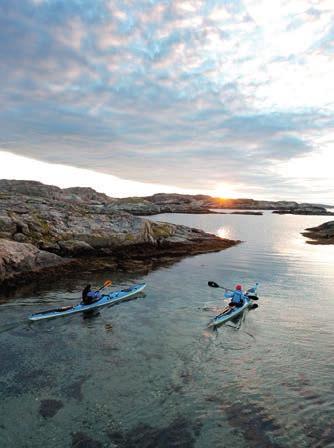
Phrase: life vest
(237, 297)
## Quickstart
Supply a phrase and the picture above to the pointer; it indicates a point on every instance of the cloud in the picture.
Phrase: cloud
(177, 92)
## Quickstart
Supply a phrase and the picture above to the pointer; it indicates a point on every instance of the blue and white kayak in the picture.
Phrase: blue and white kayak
(109, 299)
(233, 312)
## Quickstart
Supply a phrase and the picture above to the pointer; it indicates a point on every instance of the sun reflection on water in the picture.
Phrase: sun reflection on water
(224, 232)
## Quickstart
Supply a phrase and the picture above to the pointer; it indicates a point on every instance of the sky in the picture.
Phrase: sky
(232, 98)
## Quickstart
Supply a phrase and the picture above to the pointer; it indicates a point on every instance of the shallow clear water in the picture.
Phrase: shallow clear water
(147, 373)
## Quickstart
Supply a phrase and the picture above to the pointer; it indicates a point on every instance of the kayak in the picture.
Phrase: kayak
(225, 317)
(109, 299)
(231, 313)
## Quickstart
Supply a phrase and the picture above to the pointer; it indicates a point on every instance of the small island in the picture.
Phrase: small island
(305, 209)
(323, 234)
(203, 204)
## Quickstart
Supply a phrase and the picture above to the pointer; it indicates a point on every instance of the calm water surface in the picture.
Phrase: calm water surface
(147, 373)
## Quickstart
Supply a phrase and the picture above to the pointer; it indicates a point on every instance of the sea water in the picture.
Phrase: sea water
(148, 373)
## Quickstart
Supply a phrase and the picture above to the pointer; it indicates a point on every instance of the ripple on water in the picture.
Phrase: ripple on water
(150, 373)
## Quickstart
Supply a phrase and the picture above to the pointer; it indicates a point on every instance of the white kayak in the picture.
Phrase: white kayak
(109, 299)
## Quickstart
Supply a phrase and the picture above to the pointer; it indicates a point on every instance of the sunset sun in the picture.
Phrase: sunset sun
(224, 191)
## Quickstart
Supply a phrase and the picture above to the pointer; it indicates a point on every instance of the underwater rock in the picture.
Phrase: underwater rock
(82, 440)
(49, 408)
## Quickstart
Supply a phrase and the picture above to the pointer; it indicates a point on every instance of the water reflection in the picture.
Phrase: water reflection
(149, 372)
(224, 232)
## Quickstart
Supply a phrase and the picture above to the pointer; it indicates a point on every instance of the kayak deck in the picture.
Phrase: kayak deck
(229, 315)
(109, 299)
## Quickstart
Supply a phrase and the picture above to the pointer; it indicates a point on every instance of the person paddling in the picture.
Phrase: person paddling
(237, 297)
(89, 296)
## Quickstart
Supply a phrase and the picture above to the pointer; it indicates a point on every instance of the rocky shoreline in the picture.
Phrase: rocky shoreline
(202, 204)
(45, 231)
(305, 210)
(323, 234)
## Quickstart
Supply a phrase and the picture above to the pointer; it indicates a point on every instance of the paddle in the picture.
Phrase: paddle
(252, 297)
(215, 285)
(251, 292)
(105, 284)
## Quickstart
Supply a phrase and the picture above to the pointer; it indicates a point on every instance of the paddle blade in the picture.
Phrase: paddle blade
(213, 284)
(250, 296)
(106, 284)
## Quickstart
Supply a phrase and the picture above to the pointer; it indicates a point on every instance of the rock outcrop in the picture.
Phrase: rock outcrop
(304, 209)
(19, 260)
(150, 205)
(245, 212)
(202, 204)
(40, 225)
(323, 234)
(164, 203)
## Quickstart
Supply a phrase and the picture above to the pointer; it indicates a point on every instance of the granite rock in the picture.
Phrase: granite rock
(323, 234)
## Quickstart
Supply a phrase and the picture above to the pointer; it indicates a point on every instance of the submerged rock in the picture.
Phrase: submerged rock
(74, 390)
(49, 408)
(180, 432)
(256, 426)
(82, 440)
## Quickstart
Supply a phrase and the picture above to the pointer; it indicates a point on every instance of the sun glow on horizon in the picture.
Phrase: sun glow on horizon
(225, 191)
(14, 166)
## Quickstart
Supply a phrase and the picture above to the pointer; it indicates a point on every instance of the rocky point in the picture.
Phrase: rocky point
(44, 228)
(323, 234)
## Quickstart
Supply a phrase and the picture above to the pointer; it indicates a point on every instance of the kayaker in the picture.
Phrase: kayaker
(237, 297)
(89, 296)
